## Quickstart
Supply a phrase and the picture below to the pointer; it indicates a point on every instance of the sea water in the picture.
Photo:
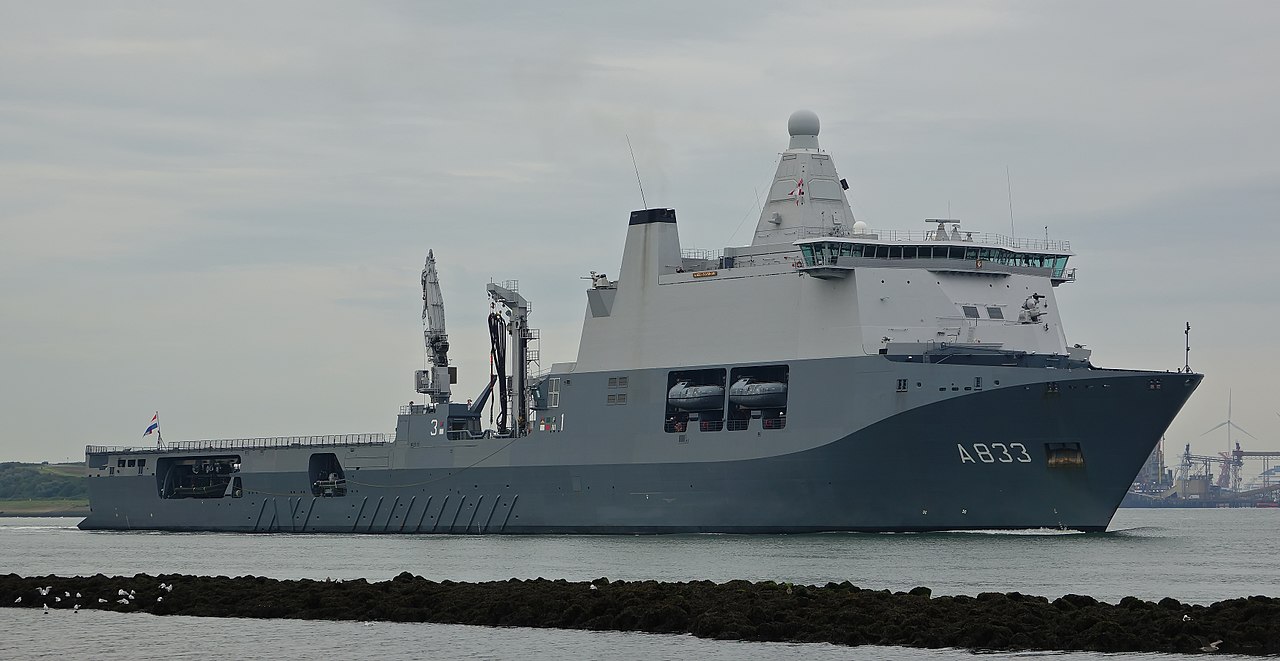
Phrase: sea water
(1197, 556)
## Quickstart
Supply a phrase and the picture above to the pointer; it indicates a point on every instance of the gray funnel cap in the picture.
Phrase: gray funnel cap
(803, 127)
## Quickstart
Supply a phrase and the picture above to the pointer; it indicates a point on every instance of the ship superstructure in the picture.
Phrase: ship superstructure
(829, 376)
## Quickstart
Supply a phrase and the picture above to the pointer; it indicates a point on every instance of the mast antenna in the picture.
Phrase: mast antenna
(1186, 352)
(1008, 183)
(637, 168)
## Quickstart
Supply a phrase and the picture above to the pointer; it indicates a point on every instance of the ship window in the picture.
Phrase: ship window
(622, 398)
(970, 311)
(142, 462)
(977, 383)
(995, 313)
(806, 251)
(120, 463)
(613, 399)
(132, 463)
(955, 252)
(895, 252)
(613, 382)
(553, 393)
(622, 382)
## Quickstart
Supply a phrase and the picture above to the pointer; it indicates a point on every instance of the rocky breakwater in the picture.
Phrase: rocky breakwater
(835, 613)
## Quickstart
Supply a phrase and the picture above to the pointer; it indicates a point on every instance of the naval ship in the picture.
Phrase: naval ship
(827, 377)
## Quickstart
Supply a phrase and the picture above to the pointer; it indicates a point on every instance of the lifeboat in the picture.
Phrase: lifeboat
(750, 394)
(687, 397)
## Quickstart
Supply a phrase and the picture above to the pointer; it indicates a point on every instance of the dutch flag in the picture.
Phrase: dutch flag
(155, 425)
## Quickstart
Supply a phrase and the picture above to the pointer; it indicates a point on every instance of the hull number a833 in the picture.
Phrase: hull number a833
(993, 453)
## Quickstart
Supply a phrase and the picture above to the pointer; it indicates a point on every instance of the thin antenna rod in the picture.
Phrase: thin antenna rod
(637, 168)
(1008, 182)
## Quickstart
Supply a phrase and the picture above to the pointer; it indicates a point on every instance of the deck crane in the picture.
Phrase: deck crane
(434, 381)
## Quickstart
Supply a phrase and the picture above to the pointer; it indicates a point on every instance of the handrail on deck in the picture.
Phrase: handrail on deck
(248, 443)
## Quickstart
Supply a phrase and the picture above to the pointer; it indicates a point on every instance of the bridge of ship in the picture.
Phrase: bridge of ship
(831, 257)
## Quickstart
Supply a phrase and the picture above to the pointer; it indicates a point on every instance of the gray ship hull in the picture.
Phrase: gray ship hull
(983, 460)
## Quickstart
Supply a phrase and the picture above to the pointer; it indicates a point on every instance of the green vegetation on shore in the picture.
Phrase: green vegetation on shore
(43, 489)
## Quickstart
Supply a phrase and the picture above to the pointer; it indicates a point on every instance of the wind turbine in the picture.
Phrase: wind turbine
(1230, 425)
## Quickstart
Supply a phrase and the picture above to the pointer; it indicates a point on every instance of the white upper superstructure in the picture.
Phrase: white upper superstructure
(816, 284)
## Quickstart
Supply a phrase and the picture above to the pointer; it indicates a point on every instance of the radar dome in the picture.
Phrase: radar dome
(860, 227)
(803, 122)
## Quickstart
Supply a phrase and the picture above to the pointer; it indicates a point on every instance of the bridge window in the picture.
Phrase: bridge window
(995, 313)
(553, 392)
(970, 311)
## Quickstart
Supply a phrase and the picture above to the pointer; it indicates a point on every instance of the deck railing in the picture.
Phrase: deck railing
(247, 443)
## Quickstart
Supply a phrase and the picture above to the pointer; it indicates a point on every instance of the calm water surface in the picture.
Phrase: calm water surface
(1198, 556)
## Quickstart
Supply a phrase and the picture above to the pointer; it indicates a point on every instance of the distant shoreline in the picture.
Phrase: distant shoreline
(43, 507)
(77, 513)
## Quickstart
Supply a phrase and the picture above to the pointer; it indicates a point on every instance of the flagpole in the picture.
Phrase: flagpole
(159, 435)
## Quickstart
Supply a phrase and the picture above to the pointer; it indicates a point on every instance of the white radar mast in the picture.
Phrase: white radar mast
(434, 381)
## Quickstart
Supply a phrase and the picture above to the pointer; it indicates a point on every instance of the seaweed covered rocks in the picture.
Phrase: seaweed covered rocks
(741, 610)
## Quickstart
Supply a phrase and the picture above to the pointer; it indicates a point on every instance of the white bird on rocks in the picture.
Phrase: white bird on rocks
(46, 609)
(122, 593)
(1186, 618)
(168, 588)
(101, 600)
(1211, 647)
(77, 595)
(132, 595)
(44, 592)
(593, 587)
(159, 599)
(57, 599)
(122, 601)
(18, 600)
(76, 609)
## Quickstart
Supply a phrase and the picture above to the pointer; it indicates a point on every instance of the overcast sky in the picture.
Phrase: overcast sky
(220, 210)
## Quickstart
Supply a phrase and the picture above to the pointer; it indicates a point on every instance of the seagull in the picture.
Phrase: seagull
(44, 592)
(168, 588)
(159, 599)
(1211, 647)
(57, 599)
(122, 601)
(77, 595)
(122, 593)
(101, 600)
(76, 609)
(18, 600)
(593, 587)
(1186, 618)
(66, 594)
(46, 609)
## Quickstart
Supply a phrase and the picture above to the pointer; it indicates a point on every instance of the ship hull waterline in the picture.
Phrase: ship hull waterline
(980, 461)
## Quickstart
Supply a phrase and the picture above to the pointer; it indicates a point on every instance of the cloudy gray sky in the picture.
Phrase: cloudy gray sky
(219, 210)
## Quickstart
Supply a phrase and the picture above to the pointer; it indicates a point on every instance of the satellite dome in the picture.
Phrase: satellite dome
(860, 227)
(803, 122)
